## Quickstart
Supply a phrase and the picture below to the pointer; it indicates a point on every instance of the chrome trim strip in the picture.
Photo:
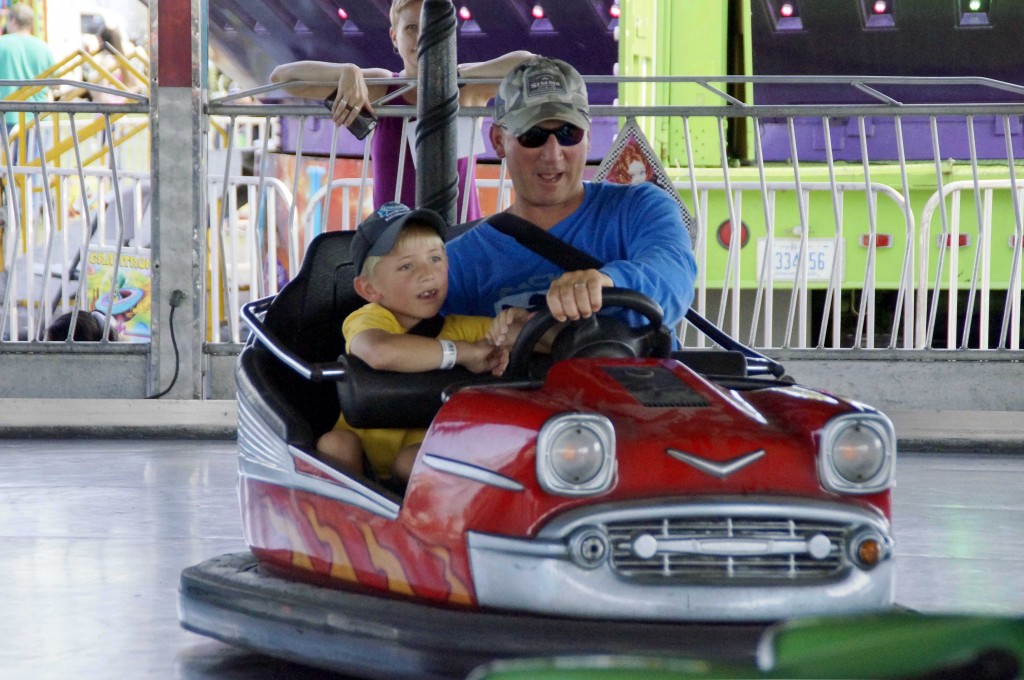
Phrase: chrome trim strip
(264, 456)
(257, 443)
(646, 546)
(718, 469)
(364, 497)
(353, 494)
(512, 546)
(721, 506)
(467, 471)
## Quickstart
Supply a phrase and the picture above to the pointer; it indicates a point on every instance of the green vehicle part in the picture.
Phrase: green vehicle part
(884, 646)
(713, 37)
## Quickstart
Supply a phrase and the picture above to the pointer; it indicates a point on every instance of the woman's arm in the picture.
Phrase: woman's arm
(353, 94)
(352, 89)
(480, 94)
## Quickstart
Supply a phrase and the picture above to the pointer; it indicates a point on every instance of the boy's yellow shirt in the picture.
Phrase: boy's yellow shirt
(382, 445)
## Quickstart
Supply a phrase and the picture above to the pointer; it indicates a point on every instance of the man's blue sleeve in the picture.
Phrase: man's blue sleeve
(659, 260)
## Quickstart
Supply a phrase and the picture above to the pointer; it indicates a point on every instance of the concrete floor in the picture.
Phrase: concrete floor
(96, 532)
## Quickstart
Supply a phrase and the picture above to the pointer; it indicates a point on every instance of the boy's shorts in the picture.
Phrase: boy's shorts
(381, 445)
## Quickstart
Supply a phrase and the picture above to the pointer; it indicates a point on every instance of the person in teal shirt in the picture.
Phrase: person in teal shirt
(22, 55)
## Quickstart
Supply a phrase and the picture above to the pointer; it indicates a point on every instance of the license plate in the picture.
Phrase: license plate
(785, 258)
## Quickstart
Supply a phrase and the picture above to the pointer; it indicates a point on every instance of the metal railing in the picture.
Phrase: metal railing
(894, 247)
(61, 168)
(981, 284)
(758, 326)
(859, 277)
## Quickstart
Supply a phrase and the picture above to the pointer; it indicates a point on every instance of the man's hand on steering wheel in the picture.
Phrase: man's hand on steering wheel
(577, 295)
(596, 335)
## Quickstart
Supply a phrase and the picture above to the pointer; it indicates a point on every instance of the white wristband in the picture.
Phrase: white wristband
(449, 355)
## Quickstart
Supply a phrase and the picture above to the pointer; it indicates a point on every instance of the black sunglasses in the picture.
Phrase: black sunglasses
(567, 135)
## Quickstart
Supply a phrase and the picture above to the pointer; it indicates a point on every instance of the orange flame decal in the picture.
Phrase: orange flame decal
(341, 565)
(459, 594)
(386, 562)
(284, 528)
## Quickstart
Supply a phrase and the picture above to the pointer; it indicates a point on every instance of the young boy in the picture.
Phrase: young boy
(403, 275)
(352, 95)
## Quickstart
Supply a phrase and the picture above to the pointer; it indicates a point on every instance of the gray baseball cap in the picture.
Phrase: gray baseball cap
(541, 89)
(376, 234)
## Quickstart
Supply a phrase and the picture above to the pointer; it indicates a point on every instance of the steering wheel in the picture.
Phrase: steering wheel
(598, 335)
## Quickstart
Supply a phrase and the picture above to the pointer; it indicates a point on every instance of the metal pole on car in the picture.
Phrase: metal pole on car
(436, 110)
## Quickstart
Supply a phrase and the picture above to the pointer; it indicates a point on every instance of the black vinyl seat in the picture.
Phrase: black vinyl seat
(305, 317)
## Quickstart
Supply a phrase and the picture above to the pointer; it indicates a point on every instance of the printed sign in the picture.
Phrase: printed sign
(631, 160)
(125, 294)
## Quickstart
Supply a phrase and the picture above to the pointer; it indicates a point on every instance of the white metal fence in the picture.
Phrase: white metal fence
(868, 267)
(821, 253)
(756, 324)
(71, 190)
(984, 287)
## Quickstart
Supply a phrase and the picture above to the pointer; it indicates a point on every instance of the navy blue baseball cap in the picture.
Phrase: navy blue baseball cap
(376, 234)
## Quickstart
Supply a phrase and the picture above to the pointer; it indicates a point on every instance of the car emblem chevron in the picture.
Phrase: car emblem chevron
(718, 469)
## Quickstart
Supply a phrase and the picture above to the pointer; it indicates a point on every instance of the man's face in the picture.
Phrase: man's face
(550, 175)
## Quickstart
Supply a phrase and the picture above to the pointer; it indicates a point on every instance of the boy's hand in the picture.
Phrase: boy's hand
(499, 360)
(507, 325)
(481, 357)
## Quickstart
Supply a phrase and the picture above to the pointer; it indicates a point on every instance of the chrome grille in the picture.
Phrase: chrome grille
(728, 548)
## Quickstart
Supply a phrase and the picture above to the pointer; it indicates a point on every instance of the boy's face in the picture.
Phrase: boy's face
(412, 280)
(405, 35)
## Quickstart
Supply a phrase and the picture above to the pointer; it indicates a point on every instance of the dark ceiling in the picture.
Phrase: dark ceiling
(248, 38)
(914, 38)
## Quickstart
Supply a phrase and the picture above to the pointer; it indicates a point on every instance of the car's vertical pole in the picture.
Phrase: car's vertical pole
(437, 106)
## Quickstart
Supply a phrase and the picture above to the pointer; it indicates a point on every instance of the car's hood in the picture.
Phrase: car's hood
(677, 434)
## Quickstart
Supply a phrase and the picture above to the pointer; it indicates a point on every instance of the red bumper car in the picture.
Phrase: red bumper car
(615, 499)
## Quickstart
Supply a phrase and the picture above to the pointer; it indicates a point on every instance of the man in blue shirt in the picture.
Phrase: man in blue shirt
(542, 129)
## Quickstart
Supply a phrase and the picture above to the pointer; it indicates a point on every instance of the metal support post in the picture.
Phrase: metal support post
(437, 106)
(179, 224)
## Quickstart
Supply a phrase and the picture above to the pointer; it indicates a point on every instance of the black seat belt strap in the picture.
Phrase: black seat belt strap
(428, 328)
(530, 236)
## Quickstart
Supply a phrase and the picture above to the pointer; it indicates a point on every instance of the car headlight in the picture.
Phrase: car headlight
(576, 454)
(858, 453)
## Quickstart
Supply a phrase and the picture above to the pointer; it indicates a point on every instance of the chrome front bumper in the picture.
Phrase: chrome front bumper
(720, 561)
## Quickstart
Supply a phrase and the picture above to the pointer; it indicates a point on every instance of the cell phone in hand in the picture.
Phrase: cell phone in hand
(362, 125)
